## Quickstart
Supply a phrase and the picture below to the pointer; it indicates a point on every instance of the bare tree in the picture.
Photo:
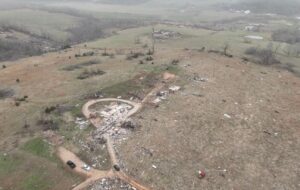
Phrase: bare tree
(225, 48)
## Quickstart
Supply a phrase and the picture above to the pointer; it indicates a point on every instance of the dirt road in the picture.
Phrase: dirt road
(86, 112)
(92, 175)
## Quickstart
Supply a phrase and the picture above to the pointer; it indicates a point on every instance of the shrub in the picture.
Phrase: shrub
(251, 51)
(202, 49)
(6, 93)
(91, 53)
(267, 57)
(287, 36)
(105, 54)
(80, 65)
(67, 46)
(150, 52)
(87, 74)
(23, 99)
(264, 56)
(174, 61)
(26, 126)
(72, 67)
(134, 55)
(48, 124)
(48, 110)
(149, 58)
(112, 56)
(215, 51)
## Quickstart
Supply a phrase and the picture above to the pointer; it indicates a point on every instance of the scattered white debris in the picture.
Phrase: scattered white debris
(227, 116)
(82, 124)
(254, 37)
(157, 100)
(154, 166)
(112, 115)
(162, 93)
(198, 78)
(249, 28)
(111, 183)
(166, 34)
(247, 12)
(174, 88)
(86, 167)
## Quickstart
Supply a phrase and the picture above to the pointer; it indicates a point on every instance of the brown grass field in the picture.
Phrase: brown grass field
(256, 148)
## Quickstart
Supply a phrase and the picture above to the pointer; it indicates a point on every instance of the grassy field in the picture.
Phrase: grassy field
(25, 170)
(40, 22)
(28, 160)
(190, 11)
(39, 148)
(193, 38)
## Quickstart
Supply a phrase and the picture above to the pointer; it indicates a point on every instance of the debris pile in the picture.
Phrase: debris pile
(129, 124)
(94, 150)
(166, 34)
(174, 88)
(112, 116)
(196, 77)
(111, 184)
(162, 95)
(81, 123)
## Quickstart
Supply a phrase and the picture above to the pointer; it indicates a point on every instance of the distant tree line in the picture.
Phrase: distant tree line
(290, 36)
(287, 7)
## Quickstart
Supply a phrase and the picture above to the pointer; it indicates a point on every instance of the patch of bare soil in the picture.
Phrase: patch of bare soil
(239, 124)
(168, 76)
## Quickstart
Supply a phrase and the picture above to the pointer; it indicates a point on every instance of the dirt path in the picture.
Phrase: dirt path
(65, 155)
(152, 92)
(86, 112)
